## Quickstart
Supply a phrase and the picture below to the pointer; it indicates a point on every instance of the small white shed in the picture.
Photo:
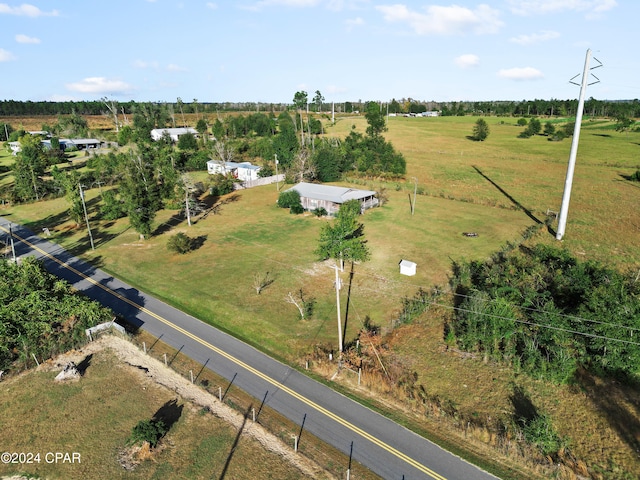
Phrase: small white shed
(407, 268)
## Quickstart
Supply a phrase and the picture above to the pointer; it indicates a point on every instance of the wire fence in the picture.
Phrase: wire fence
(222, 390)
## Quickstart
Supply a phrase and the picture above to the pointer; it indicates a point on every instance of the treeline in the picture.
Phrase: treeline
(40, 315)
(536, 107)
(547, 314)
(98, 107)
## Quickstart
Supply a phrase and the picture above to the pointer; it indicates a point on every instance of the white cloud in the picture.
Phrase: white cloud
(335, 5)
(467, 61)
(534, 38)
(354, 22)
(20, 38)
(212, 6)
(144, 64)
(525, 73)
(439, 20)
(6, 56)
(172, 67)
(26, 10)
(590, 7)
(99, 85)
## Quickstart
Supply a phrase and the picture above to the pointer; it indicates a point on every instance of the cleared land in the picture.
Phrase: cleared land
(496, 188)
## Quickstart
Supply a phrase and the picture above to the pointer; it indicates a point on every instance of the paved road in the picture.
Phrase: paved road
(388, 449)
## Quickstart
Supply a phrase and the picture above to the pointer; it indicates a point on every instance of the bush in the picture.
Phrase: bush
(540, 432)
(180, 243)
(289, 198)
(320, 212)
(221, 185)
(147, 431)
(296, 209)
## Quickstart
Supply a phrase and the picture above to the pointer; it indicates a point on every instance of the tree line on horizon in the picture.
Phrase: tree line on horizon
(537, 107)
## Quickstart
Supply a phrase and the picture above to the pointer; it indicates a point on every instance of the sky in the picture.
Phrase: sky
(348, 50)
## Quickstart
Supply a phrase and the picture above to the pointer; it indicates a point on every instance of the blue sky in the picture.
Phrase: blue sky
(349, 50)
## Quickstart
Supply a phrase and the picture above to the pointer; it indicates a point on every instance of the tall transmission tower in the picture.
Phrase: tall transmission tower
(566, 196)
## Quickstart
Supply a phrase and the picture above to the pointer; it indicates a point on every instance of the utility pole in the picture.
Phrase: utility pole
(186, 204)
(277, 182)
(338, 285)
(86, 217)
(566, 196)
(13, 248)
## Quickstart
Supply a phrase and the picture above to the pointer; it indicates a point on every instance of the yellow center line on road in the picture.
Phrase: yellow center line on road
(247, 367)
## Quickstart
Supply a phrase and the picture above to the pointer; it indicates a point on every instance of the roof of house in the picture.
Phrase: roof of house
(330, 192)
(233, 165)
(175, 131)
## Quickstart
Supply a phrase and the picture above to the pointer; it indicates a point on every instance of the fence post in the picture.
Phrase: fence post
(165, 359)
(191, 373)
(144, 347)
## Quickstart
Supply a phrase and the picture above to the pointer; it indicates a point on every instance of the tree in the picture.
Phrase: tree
(29, 169)
(69, 181)
(480, 130)
(623, 123)
(300, 100)
(140, 193)
(549, 129)
(375, 119)
(112, 107)
(303, 167)
(318, 99)
(187, 142)
(344, 240)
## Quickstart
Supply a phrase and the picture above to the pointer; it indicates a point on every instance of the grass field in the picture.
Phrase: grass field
(495, 188)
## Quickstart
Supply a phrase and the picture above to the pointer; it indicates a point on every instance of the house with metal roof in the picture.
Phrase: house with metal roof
(174, 133)
(330, 197)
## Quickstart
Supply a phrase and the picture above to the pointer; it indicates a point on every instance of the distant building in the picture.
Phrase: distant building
(244, 171)
(174, 133)
(330, 197)
(65, 143)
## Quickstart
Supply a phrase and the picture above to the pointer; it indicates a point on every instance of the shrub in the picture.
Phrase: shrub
(221, 185)
(289, 198)
(540, 432)
(296, 209)
(147, 431)
(320, 212)
(180, 243)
